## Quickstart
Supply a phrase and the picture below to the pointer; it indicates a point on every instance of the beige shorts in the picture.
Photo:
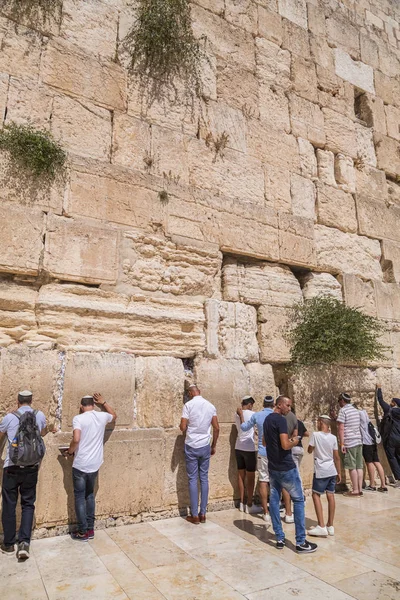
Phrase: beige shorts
(262, 467)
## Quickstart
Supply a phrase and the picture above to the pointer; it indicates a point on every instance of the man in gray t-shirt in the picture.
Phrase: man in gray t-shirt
(350, 437)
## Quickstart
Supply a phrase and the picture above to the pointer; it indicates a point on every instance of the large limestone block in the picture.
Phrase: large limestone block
(169, 153)
(303, 196)
(377, 219)
(315, 390)
(347, 253)
(296, 240)
(359, 294)
(76, 250)
(307, 120)
(345, 174)
(118, 200)
(238, 87)
(273, 146)
(336, 208)
(308, 159)
(28, 102)
(130, 480)
(262, 382)
(393, 121)
(111, 374)
(91, 25)
(219, 118)
(387, 300)
(159, 391)
(371, 183)
(231, 330)
(387, 154)
(304, 78)
(80, 318)
(263, 283)
(17, 312)
(176, 485)
(242, 14)
(20, 50)
(131, 141)
(81, 75)
(223, 470)
(151, 264)
(274, 321)
(224, 383)
(21, 232)
(387, 88)
(391, 260)
(31, 369)
(274, 107)
(341, 31)
(316, 284)
(357, 73)
(365, 145)
(85, 129)
(340, 133)
(294, 10)
(371, 110)
(273, 64)
(295, 39)
(269, 25)
(326, 167)
(277, 188)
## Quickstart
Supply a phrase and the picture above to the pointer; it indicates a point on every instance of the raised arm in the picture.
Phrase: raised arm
(286, 443)
(246, 426)
(104, 406)
(384, 405)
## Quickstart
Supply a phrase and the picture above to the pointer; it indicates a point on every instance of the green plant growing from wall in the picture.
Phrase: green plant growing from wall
(35, 151)
(162, 48)
(324, 330)
(37, 11)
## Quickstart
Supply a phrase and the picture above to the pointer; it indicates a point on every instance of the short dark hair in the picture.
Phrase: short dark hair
(280, 400)
(247, 401)
(87, 401)
(24, 398)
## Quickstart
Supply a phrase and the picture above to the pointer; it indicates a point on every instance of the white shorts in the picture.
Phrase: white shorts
(297, 457)
(262, 467)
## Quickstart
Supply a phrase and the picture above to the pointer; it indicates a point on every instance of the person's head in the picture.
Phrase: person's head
(87, 403)
(268, 402)
(324, 423)
(344, 399)
(283, 404)
(193, 390)
(248, 403)
(24, 397)
(395, 403)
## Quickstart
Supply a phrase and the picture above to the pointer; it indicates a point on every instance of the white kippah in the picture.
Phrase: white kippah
(86, 397)
(25, 393)
(192, 385)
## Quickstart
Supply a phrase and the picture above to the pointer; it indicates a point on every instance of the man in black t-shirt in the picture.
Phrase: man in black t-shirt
(283, 474)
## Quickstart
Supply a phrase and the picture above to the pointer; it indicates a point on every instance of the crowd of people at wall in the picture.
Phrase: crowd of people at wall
(277, 459)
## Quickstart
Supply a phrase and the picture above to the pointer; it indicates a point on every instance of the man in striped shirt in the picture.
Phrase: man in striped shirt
(350, 437)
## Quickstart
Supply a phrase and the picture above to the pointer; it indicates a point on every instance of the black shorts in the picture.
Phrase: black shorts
(246, 460)
(370, 453)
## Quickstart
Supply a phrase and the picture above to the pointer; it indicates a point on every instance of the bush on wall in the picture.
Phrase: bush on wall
(162, 48)
(35, 151)
(324, 330)
(36, 10)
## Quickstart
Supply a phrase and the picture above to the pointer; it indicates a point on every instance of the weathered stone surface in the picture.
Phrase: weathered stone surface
(365, 145)
(277, 188)
(295, 39)
(387, 300)
(224, 383)
(21, 231)
(378, 220)
(220, 118)
(315, 284)
(393, 121)
(17, 312)
(80, 318)
(307, 120)
(347, 253)
(359, 294)
(111, 374)
(169, 155)
(345, 174)
(269, 25)
(296, 240)
(28, 102)
(340, 133)
(274, 322)
(387, 88)
(294, 10)
(67, 70)
(231, 330)
(387, 154)
(274, 107)
(262, 382)
(131, 142)
(357, 73)
(153, 264)
(242, 14)
(336, 208)
(275, 147)
(273, 64)
(391, 260)
(93, 256)
(308, 159)
(326, 167)
(159, 391)
(371, 182)
(304, 78)
(238, 87)
(303, 197)
(19, 50)
(30, 369)
(263, 283)
(340, 30)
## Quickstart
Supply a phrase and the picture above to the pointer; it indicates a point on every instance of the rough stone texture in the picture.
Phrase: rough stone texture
(314, 284)
(340, 133)
(294, 10)
(387, 154)
(359, 294)
(357, 73)
(377, 219)
(387, 300)
(27, 102)
(21, 231)
(307, 120)
(273, 324)
(159, 391)
(336, 208)
(391, 260)
(111, 374)
(262, 382)
(17, 312)
(326, 167)
(296, 240)
(308, 159)
(303, 197)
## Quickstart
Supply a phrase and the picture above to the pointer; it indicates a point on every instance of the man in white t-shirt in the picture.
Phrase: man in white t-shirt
(326, 474)
(87, 447)
(246, 456)
(198, 418)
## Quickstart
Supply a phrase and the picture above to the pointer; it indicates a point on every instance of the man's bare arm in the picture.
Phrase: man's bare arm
(98, 398)
(215, 426)
(183, 425)
(286, 443)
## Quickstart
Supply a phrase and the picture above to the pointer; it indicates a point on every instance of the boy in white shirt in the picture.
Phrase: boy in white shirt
(246, 456)
(326, 474)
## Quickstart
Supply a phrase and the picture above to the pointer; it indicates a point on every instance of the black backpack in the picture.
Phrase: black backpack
(27, 448)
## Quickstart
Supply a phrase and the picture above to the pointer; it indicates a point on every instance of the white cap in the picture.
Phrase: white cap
(324, 417)
(25, 393)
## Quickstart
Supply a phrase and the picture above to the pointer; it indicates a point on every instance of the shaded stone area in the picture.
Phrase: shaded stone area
(231, 557)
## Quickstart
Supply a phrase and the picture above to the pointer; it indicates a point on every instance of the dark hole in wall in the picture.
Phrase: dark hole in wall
(362, 108)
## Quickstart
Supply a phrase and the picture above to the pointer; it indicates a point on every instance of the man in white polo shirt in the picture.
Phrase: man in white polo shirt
(198, 418)
(87, 446)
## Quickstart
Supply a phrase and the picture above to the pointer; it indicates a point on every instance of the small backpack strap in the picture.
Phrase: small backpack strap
(18, 414)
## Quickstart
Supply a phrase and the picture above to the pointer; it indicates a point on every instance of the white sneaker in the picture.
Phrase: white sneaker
(253, 510)
(267, 519)
(288, 519)
(318, 531)
(242, 507)
(331, 530)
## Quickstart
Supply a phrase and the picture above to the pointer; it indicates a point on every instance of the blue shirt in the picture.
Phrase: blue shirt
(278, 458)
(10, 424)
(257, 419)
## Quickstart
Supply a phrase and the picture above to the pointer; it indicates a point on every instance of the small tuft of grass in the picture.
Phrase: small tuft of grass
(217, 144)
(36, 11)
(33, 150)
(163, 196)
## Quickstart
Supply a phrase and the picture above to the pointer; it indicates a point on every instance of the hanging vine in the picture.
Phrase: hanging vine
(36, 11)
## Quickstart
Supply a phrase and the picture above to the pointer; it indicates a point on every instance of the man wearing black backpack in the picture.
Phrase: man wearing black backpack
(390, 432)
(24, 429)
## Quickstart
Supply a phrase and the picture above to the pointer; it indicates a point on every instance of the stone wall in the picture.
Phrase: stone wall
(105, 287)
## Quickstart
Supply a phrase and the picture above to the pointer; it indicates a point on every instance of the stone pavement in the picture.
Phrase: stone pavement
(231, 557)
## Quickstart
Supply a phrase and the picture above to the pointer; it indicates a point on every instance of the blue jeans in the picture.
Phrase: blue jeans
(197, 465)
(84, 498)
(291, 482)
